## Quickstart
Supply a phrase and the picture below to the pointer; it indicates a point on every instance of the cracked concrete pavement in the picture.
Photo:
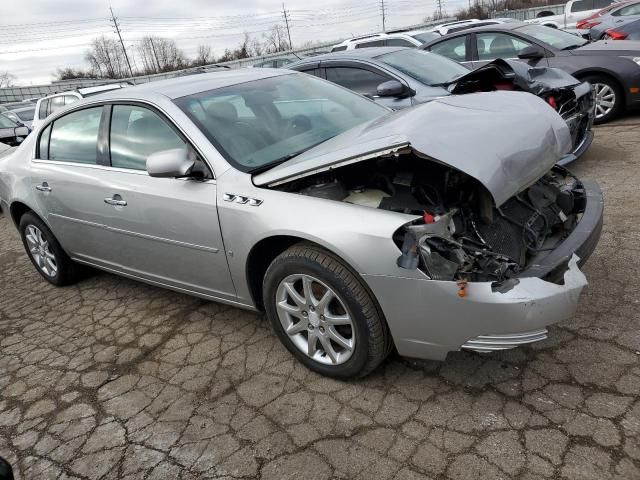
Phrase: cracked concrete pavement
(115, 379)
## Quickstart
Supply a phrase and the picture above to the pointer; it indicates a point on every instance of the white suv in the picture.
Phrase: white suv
(47, 105)
(413, 38)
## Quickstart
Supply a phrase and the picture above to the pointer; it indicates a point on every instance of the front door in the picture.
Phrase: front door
(168, 226)
(492, 45)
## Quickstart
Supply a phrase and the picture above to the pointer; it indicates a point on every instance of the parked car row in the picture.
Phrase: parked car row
(612, 68)
(369, 199)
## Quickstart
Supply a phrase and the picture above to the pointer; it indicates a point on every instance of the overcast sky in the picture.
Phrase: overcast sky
(39, 36)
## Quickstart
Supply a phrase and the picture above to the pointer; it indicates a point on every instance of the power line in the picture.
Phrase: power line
(117, 27)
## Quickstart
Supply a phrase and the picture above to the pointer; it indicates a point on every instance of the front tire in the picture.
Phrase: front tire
(609, 97)
(323, 314)
(46, 254)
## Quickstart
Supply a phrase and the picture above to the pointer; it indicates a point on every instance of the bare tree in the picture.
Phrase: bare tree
(276, 40)
(243, 50)
(107, 58)
(6, 79)
(160, 54)
(204, 56)
(70, 73)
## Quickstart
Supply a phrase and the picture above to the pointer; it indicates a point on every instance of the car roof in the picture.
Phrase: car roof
(482, 28)
(355, 54)
(189, 84)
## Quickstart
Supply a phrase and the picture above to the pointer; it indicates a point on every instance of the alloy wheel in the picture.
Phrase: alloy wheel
(605, 99)
(41, 252)
(315, 319)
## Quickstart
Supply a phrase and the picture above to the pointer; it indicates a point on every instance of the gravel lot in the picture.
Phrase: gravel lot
(115, 379)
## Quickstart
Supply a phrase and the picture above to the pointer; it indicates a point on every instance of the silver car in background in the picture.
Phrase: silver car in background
(356, 229)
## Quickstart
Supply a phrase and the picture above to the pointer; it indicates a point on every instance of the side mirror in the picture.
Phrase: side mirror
(6, 473)
(21, 131)
(532, 52)
(391, 88)
(176, 162)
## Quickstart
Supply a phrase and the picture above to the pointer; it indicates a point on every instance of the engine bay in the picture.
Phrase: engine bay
(458, 234)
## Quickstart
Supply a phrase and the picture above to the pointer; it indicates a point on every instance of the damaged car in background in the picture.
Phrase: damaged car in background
(357, 230)
(399, 78)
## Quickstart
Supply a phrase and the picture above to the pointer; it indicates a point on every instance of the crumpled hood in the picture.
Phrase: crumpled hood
(536, 80)
(505, 140)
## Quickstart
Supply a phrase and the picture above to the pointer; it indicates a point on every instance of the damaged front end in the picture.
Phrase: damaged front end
(475, 241)
(573, 100)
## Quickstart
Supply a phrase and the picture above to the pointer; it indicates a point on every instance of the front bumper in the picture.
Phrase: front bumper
(580, 122)
(428, 319)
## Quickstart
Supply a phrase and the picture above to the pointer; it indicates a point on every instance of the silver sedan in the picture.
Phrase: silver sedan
(357, 230)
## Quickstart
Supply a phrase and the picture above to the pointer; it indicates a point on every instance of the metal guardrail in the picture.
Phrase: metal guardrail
(16, 94)
(528, 13)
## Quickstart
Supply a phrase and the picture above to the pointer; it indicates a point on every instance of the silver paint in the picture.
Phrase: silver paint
(179, 233)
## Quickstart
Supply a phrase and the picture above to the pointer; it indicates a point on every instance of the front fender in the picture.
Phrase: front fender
(361, 236)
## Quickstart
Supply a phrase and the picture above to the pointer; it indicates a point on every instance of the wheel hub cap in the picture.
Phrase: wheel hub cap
(315, 319)
(605, 99)
(41, 252)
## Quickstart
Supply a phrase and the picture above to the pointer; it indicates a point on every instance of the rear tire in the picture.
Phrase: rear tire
(343, 337)
(607, 92)
(45, 252)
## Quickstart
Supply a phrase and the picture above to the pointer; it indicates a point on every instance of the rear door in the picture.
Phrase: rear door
(66, 176)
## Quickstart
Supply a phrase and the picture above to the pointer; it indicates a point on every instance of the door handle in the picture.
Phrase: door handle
(116, 201)
(43, 187)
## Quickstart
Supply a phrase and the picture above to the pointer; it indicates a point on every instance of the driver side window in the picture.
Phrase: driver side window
(357, 79)
(498, 45)
(136, 133)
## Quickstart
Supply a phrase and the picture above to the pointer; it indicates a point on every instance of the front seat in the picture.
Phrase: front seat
(236, 137)
(502, 47)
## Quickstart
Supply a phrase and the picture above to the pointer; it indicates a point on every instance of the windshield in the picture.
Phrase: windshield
(261, 123)
(25, 115)
(427, 68)
(554, 37)
(425, 36)
(6, 122)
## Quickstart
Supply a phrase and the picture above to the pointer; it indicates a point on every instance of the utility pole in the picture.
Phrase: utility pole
(117, 27)
(383, 11)
(155, 54)
(285, 14)
(439, 8)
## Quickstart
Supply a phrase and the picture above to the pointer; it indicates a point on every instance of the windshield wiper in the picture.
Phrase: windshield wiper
(286, 157)
(572, 47)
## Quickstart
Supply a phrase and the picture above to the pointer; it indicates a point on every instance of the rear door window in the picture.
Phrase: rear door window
(74, 137)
